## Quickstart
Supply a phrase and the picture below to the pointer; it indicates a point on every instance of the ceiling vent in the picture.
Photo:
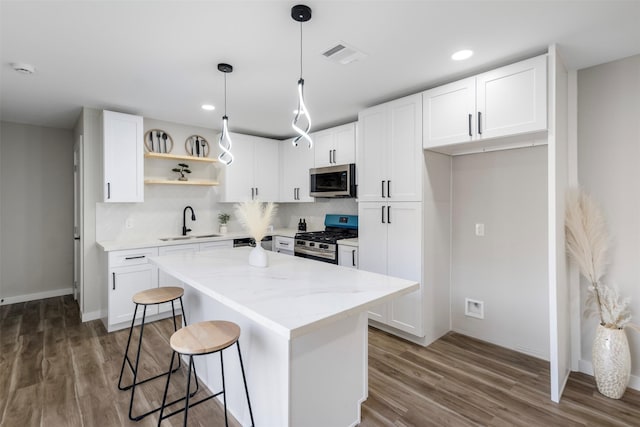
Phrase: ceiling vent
(343, 54)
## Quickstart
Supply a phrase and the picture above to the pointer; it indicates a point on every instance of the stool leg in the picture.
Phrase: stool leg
(135, 371)
(244, 379)
(125, 359)
(175, 329)
(186, 406)
(195, 374)
(166, 389)
(224, 391)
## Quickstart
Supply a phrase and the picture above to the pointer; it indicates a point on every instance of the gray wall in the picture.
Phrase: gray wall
(36, 219)
(507, 268)
(608, 168)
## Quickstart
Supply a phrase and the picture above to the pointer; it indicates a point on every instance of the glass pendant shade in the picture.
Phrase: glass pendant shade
(301, 111)
(225, 143)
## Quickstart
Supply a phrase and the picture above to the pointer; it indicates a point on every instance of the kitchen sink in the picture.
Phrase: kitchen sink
(177, 238)
(170, 239)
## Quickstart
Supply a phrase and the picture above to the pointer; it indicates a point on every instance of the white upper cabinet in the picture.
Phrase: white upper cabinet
(390, 151)
(254, 171)
(335, 146)
(295, 163)
(507, 101)
(123, 157)
(449, 113)
(513, 99)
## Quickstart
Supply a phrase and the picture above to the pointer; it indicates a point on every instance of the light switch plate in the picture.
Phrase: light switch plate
(480, 230)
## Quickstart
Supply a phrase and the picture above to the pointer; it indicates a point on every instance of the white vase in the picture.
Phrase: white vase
(223, 229)
(611, 361)
(258, 257)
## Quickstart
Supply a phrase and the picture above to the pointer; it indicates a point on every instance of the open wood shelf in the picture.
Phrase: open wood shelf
(176, 182)
(178, 157)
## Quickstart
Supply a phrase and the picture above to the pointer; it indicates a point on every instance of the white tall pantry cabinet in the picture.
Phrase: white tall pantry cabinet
(391, 216)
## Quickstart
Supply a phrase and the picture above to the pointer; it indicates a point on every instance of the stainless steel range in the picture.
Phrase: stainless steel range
(321, 245)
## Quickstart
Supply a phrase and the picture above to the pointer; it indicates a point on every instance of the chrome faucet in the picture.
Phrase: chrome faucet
(184, 220)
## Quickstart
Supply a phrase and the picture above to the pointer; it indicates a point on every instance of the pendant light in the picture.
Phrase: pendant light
(225, 139)
(301, 13)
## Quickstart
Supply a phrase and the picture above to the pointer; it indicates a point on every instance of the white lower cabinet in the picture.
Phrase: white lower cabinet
(129, 273)
(390, 242)
(348, 256)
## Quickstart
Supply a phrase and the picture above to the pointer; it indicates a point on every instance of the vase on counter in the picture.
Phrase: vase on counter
(223, 229)
(258, 257)
(611, 361)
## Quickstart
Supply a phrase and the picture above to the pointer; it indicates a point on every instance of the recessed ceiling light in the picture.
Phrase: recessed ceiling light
(208, 107)
(462, 55)
(23, 68)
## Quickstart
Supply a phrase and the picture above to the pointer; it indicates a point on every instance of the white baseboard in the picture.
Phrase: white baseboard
(93, 315)
(35, 296)
(586, 367)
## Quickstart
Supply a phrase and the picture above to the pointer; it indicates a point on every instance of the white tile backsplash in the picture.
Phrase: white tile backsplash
(161, 213)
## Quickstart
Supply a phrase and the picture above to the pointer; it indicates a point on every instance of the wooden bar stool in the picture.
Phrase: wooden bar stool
(201, 339)
(145, 298)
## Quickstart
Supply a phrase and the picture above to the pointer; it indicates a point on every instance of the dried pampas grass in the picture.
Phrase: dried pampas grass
(586, 233)
(255, 217)
(587, 243)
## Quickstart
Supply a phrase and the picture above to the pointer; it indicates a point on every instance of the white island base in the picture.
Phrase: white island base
(303, 332)
(317, 379)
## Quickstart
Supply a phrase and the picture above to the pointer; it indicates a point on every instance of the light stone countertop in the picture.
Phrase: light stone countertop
(152, 242)
(292, 296)
(348, 242)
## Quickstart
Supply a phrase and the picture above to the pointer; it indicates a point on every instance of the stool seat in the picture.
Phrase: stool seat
(200, 339)
(205, 337)
(158, 295)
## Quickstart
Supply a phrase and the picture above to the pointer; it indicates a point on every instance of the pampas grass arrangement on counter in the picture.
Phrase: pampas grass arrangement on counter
(255, 217)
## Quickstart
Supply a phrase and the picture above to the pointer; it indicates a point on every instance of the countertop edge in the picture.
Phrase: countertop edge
(119, 245)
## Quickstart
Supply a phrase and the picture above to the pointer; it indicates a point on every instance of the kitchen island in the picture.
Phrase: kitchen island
(304, 332)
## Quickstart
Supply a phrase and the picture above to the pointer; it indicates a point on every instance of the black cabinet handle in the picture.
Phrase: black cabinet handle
(470, 118)
(383, 215)
(252, 193)
(330, 159)
(479, 123)
(382, 190)
(108, 190)
(388, 214)
(256, 191)
(114, 281)
(353, 257)
(334, 156)
(135, 257)
(389, 188)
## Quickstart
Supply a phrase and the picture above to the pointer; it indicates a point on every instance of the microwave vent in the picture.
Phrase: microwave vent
(343, 54)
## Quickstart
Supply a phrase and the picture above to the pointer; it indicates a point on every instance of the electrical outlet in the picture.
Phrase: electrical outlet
(128, 223)
(474, 308)
(479, 230)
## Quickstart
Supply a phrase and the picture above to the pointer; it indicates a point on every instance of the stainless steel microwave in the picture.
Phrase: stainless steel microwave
(333, 181)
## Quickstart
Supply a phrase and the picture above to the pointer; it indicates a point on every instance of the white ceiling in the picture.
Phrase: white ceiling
(158, 58)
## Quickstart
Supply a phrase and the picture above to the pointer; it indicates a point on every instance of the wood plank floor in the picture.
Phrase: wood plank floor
(56, 371)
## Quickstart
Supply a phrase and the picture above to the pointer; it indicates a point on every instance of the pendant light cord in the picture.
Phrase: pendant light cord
(225, 94)
(300, 49)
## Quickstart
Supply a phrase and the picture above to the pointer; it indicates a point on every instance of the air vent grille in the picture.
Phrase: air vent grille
(343, 54)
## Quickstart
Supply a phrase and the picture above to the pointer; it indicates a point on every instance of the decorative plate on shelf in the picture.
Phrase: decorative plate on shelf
(158, 141)
(197, 146)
